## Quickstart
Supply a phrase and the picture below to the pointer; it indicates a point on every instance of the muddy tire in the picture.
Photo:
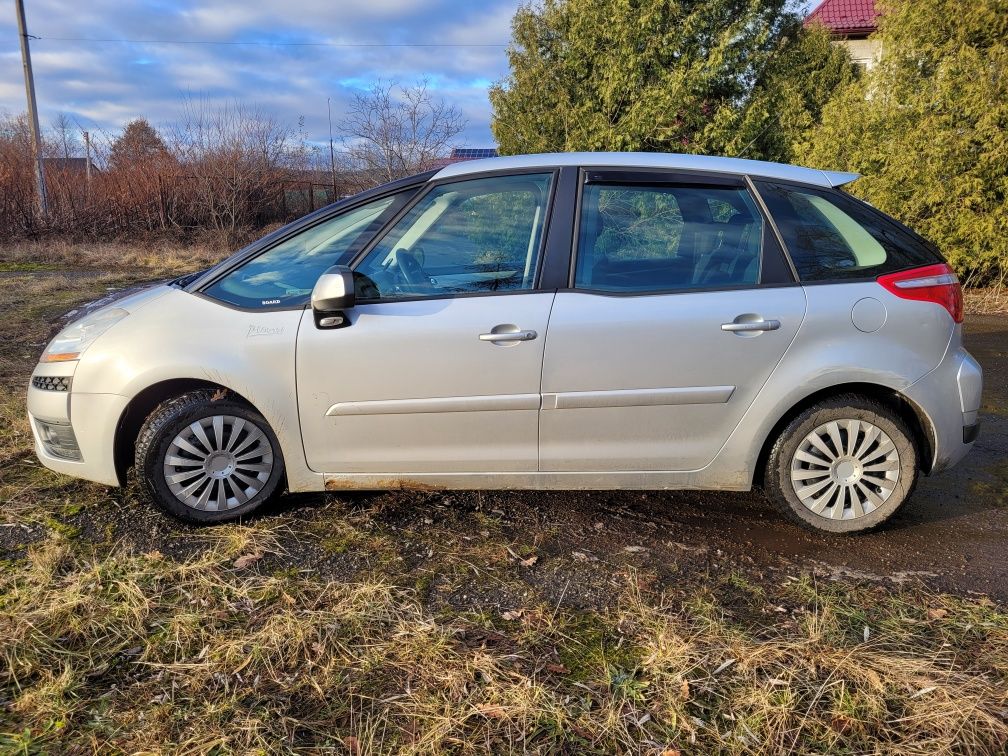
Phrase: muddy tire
(205, 458)
(843, 466)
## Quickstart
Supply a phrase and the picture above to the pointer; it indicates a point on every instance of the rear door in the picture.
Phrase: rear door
(681, 304)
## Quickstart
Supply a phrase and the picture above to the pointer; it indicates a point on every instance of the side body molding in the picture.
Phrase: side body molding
(565, 400)
(494, 403)
(638, 397)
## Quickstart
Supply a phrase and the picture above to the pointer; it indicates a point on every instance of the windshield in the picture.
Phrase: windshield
(285, 275)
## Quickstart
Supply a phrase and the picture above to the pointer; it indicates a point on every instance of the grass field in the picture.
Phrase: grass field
(430, 623)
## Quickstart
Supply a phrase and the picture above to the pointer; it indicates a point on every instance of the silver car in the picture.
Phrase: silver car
(572, 321)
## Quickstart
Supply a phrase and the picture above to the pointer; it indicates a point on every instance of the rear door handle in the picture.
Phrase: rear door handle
(508, 336)
(758, 325)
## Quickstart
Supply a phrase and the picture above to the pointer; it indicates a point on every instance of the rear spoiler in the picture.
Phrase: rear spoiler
(838, 178)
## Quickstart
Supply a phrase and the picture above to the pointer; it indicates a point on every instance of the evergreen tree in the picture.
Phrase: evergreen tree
(703, 76)
(138, 143)
(928, 128)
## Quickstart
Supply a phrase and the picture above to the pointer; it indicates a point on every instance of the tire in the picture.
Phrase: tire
(229, 482)
(805, 472)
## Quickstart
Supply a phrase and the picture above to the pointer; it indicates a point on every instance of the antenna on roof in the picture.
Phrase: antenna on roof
(745, 149)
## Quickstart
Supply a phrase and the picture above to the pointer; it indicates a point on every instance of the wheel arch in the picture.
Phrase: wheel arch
(916, 419)
(144, 402)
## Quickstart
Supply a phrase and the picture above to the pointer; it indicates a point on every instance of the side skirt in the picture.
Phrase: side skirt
(539, 481)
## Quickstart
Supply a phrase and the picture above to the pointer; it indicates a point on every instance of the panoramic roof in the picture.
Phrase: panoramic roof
(653, 160)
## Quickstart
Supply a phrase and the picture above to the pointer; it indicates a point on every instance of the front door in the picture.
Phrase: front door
(673, 326)
(439, 369)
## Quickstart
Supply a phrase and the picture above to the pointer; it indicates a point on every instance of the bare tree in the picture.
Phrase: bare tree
(65, 136)
(392, 131)
(236, 156)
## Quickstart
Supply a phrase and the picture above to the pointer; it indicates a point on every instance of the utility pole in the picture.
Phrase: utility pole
(332, 152)
(87, 166)
(43, 200)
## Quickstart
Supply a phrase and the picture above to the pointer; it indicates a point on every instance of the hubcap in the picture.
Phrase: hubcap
(218, 463)
(845, 469)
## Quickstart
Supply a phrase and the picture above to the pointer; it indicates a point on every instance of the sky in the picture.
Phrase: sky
(101, 85)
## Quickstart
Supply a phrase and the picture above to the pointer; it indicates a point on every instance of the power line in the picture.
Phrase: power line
(262, 43)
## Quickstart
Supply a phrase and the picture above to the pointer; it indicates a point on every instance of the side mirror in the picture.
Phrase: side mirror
(333, 293)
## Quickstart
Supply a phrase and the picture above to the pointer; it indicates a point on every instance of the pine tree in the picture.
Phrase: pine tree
(928, 128)
(703, 76)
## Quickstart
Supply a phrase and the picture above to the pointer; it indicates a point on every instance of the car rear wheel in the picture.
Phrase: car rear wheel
(843, 466)
(206, 458)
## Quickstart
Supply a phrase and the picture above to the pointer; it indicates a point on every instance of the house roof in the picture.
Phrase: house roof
(72, 164)
(846, 18)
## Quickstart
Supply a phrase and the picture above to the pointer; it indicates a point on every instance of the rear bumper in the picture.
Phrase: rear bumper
(950, 398)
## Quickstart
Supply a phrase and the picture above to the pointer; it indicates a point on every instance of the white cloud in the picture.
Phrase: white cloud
(106, 84)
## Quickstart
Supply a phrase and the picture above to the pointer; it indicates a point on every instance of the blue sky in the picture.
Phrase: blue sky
(102, 85)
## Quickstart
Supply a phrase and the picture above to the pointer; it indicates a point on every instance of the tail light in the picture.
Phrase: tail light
(932, 283)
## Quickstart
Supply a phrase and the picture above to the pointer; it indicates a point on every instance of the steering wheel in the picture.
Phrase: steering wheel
(411, 270)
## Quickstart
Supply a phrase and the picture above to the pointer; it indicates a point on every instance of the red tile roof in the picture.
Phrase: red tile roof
(846, 17)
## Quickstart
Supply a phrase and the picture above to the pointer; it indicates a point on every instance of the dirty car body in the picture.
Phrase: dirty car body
(573, 321)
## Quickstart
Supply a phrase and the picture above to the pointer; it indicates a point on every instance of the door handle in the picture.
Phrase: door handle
(508, 336)
(748, 327)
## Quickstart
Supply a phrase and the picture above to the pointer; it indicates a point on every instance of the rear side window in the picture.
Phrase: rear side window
(831, 236)
(667, 238)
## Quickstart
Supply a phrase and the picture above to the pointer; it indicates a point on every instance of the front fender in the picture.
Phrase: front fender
(183, 336)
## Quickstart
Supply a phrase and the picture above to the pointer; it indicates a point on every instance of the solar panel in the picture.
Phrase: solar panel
(474, 153)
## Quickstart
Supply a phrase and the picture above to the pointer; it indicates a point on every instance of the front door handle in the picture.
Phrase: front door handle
(750, 326)
(502, 335)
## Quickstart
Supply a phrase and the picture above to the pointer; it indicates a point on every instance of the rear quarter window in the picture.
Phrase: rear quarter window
(832, 236)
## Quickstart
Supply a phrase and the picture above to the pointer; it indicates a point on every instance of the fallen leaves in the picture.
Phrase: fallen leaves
(491, 711)
(247, 560)
(523, 561)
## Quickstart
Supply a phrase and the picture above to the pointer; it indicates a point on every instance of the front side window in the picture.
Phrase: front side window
(468, 237)
(831, 236)
(285, 275)
(667, 238)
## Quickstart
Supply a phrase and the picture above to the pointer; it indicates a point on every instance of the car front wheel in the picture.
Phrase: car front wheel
(206, 458)
(843, 466)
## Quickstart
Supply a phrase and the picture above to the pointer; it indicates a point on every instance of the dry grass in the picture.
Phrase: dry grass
(154, 258)
(989, 300)
(142, 653)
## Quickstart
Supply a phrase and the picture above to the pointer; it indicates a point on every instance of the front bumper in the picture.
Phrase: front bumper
(950, 397)
(90, 418)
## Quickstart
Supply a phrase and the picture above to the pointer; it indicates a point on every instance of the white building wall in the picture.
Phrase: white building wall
(864, 52)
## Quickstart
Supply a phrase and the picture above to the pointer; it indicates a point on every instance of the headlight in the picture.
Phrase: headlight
(71, 342)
